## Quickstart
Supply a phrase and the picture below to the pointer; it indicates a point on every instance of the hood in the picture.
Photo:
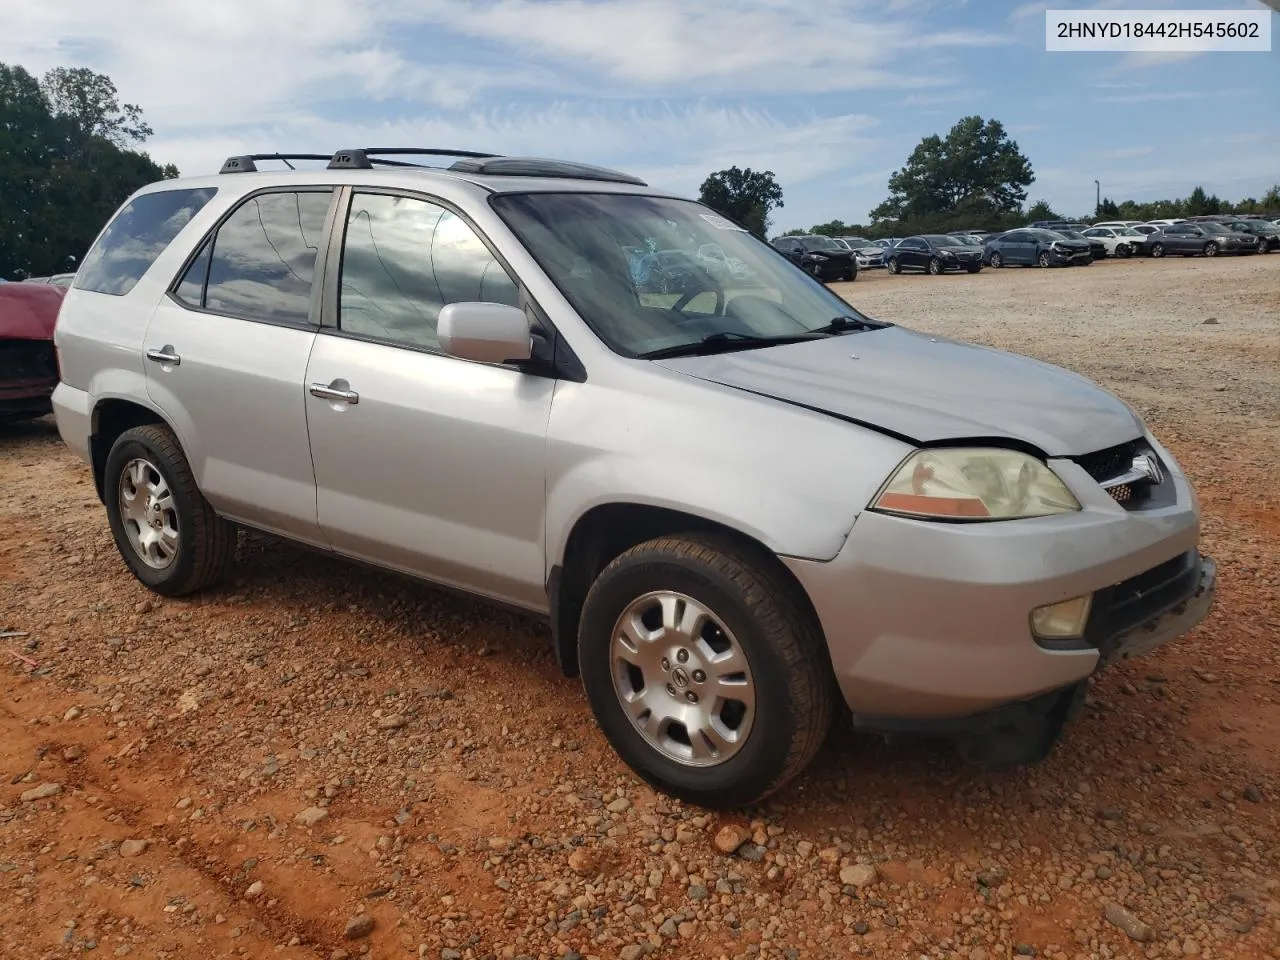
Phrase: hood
(929, 390)
(28, 311)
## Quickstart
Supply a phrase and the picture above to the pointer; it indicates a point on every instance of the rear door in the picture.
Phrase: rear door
(226, 355)
(425, 463)
(1017, 247)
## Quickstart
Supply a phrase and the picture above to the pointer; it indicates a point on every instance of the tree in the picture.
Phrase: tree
(976, 169)
(62, 171)
(1107, 210)
(89, 100)
(834, 228)
(1040, 210)
(1271, 199)
(743, 195)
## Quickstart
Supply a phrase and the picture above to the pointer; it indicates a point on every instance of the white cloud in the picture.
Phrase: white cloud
(1124, 153)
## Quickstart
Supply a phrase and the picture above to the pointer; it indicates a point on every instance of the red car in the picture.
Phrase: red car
(28, 364)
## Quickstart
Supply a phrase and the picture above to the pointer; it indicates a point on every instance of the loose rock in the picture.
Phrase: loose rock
(358, 927)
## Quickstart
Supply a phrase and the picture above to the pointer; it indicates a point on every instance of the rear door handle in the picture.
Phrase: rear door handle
(331, 392)
(165, 354)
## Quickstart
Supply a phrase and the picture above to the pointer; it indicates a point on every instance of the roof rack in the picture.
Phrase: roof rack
(364, 158)
(534, 167)
(246, 164)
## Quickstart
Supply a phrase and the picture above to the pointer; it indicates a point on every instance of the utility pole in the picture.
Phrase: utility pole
(1097, 203)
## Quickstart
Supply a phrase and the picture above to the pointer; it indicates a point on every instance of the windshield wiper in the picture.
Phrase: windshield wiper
(850, 325)
(727, 340)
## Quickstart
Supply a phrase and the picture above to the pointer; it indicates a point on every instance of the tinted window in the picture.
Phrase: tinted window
(264, 257)
(912, 244)
(191, 289)
(136, 236)
(403, 259)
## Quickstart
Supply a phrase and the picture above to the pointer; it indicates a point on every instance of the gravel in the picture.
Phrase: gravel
(372, 755)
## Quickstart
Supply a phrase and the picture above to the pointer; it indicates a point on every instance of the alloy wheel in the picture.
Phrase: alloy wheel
(149, 514)
(682, 679)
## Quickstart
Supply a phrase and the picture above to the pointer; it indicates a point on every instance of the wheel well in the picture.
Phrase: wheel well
(605, 532)
(110, 419)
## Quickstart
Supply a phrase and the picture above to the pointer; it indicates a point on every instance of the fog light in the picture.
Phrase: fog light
(1062, 621)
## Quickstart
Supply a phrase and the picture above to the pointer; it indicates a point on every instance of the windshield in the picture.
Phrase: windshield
(820, 243)
(857, 241)
(1047, 234)
(1073, 234)
(664, 294)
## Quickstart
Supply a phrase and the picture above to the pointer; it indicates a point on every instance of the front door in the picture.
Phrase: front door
(227, 352)
(425, 463)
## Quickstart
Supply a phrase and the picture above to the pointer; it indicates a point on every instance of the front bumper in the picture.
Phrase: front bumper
(1065, 257)
(929, 622)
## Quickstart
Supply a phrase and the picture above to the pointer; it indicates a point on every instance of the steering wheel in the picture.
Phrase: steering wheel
(688, 295)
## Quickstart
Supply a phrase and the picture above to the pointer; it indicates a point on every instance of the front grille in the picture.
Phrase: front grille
(1110, 462)
(1105, 464)
(27, 360)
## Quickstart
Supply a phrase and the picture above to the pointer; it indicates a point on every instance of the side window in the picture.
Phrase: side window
(136, 236)
(264, 257)
(191, 288)
(403, 259)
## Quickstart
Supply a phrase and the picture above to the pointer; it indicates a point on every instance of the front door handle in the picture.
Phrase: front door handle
(331, 391)
(166, 355)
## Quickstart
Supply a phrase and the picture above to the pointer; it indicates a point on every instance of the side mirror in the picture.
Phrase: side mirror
(487, 332)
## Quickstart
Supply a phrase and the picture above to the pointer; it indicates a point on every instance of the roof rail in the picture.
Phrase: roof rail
(534, 167)
(364, 158)
(245, 163)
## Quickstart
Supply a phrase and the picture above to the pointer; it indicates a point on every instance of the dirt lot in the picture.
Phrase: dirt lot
(248, 773)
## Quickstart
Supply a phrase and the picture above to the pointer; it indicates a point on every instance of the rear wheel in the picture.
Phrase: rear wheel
(165, 530)
(1157, 250)
(707, 674)
(1210, 249)
(935, 266)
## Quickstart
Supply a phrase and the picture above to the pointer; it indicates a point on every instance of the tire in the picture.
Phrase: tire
(203, 545)
(787, 667)
(935, 266)
(892, 265)
(975, 269)
(1210, 249)
(1157, 250)
(851, 274)
(1123, 251)
(997, 261)
(1043, 258)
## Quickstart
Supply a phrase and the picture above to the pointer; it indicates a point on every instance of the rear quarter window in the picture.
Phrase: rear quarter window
(136, 236)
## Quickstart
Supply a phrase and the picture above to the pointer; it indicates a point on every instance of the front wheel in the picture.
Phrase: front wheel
(1157, 250)
(892, 266)
(165, 530)
(1123, 251)
(704, 670)
(935, 266)
(1210, 249)
(1043, 259)
(976, 268)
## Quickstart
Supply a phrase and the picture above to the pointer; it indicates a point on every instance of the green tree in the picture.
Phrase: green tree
(1107, 210)
(1271, 199)
(1040, 210)
(976, 170)
(746, 196)
(63, 169)
(833, 228)
(1198, 204)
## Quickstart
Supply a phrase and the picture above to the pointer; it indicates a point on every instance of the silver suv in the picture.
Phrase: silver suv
(740, 502)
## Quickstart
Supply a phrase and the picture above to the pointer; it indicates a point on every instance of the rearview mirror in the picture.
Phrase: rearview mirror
(487, 332)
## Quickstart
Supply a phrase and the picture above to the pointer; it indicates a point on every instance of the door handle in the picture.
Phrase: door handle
(330, 392)
(165, 354)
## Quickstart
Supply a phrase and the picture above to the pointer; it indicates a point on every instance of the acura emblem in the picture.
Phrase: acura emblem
(1149, 467)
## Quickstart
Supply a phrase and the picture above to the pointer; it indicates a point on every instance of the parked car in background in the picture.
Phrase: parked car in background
(1192, 239)
(819, 255)
(1146, 229)
(1167, 221)
(888, 243)
(1118, 223)
(1118, 241)
(867, 254)
(1097, 249)
(1268, 233)
(28, 363)
(1028, 247)
(935, 253)
(57, 280)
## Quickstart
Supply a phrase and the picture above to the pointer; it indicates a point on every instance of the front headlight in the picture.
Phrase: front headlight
(974, 483)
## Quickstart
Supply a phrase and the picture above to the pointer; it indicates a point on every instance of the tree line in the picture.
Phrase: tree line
(973, 178)
(67, 162)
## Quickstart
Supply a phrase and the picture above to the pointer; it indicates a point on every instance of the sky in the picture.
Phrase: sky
(830, 95)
